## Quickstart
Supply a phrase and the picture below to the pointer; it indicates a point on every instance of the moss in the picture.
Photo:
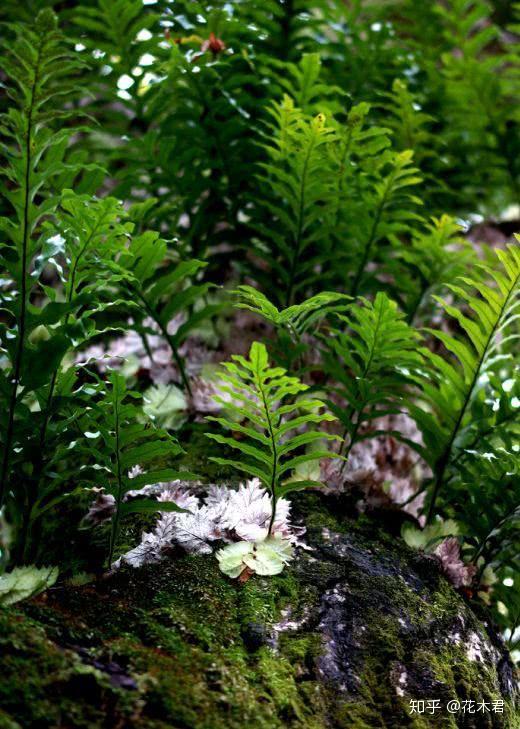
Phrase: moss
(181, 638)
(43, 684)
(193, 649)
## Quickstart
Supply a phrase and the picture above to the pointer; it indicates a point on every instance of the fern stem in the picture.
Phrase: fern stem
(444, 460)
(23, 289)
(275, 456)
(417, 304)
(285, 24)
(117, 515)
(366, 252)
(339, 192)
(72, 288)
(496, 526)
(178, 359)
(167, 336)
(299, 228)
(372, 237)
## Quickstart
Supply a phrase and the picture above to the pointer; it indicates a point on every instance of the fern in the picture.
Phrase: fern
(387, 210)
(370, 358)
(42, 76)
(477, 101)
(437, 255)
(119, 38)
(302, 82)
(410, 125)
(491, 524)
(413, 128)
(355, 151)
(112, 27)
(299, 318)
(489, 519)
(162, 290)
(213, 103)
(91, 231)
(266, 398)
(449, 389)
(119, 442)
(294, 323)
(296, 175)
(84, 232)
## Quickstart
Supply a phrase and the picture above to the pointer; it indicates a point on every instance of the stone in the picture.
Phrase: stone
(347, 636)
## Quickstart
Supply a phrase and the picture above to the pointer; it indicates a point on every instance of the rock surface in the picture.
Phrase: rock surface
(350, 633)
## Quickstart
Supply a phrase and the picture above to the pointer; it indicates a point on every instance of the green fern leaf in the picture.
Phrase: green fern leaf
(450, 388)
(269, 450)
(371, 359)
(118, 442)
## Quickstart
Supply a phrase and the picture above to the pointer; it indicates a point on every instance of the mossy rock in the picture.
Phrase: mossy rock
(351, 632)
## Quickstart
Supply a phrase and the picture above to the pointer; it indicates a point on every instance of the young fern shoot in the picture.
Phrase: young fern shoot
(293, 323)
(270, 411)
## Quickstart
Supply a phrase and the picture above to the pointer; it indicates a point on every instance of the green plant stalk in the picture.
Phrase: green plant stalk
(339, 192)
(351, 444)
(419, 300)
(167, 336)
(483, 546)
(299, 227)
(272, 486)
(285, 25)
(371, 238)
(117, 516)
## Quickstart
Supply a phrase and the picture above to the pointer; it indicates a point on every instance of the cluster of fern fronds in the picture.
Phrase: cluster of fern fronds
(166, 167)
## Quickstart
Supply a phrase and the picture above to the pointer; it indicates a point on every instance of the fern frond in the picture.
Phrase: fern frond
(295, 324)
(409, 124)
(42, 77)
(164, 290)
(92, 232)
(298, 318)
(302, 82)
(450, 388)
(118, 442)
(478, 100)
(389, 210)
(112, 27)
(371, 359)
(271, 439)
(437, 255)
(296, 185)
